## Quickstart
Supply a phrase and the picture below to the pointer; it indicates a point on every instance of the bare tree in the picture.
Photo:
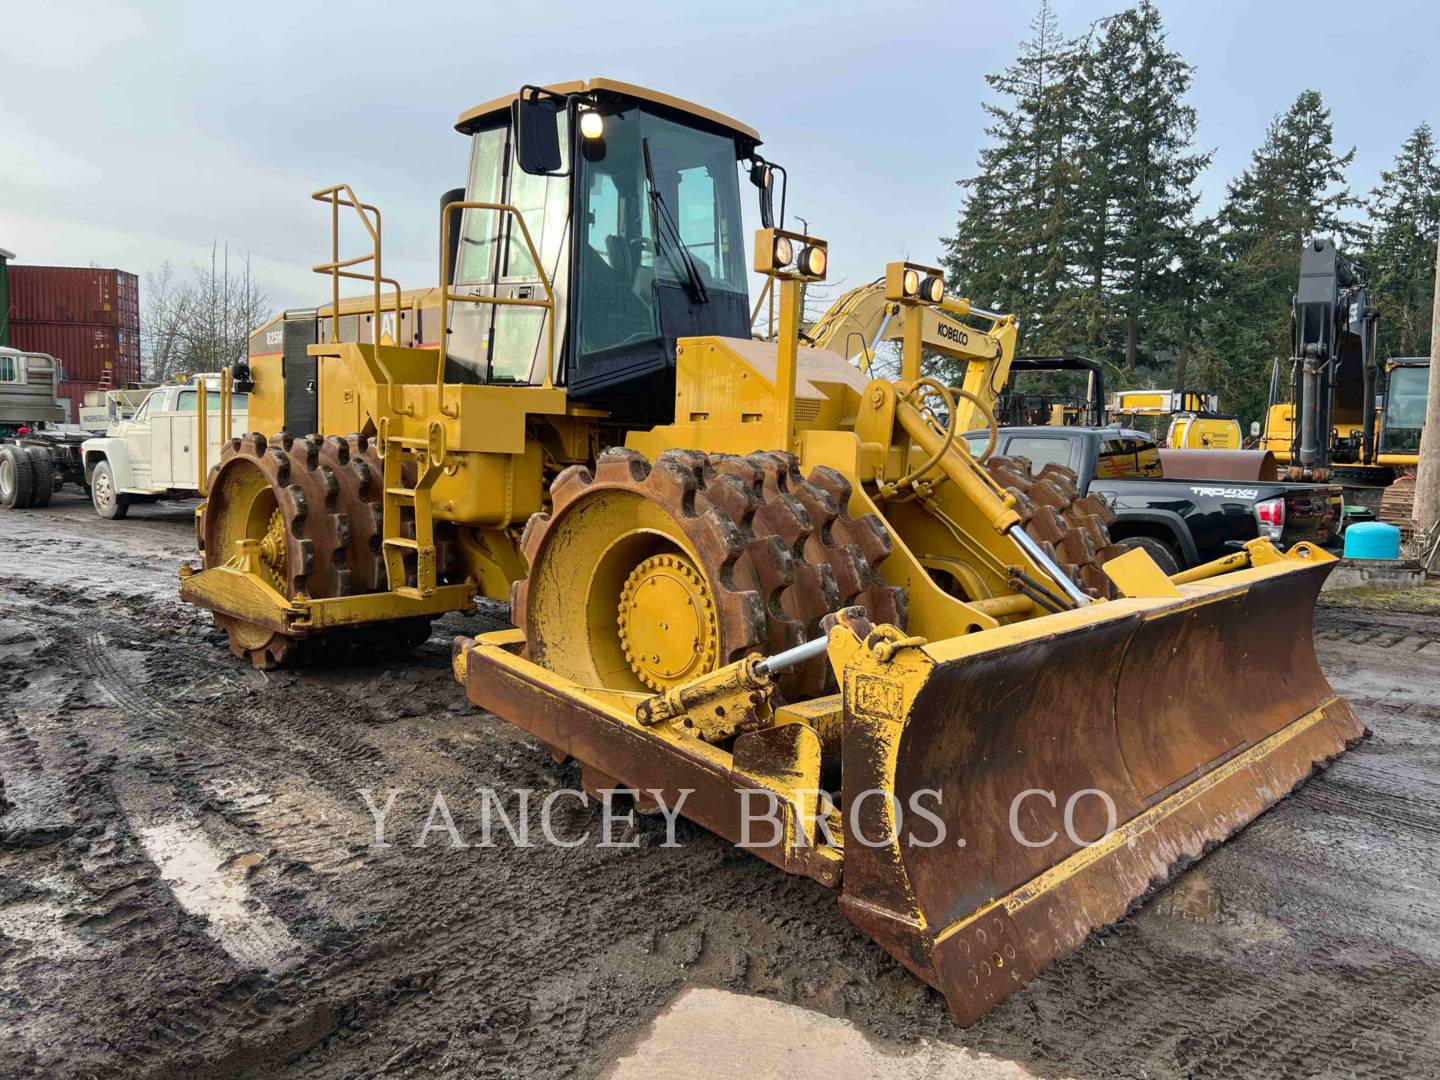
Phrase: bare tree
(163, 324)
(200, 324)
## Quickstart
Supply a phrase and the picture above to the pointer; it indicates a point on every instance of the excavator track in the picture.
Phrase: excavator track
(757, 552)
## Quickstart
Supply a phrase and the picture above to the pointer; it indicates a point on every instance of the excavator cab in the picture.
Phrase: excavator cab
(633, 200)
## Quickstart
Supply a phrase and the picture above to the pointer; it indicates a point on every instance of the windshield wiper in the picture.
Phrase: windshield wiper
(660, 214)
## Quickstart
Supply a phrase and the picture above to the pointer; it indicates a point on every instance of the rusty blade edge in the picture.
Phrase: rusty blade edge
(983, 958)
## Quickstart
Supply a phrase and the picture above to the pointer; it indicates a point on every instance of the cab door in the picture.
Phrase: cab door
(140, 439)
(518, 336)
(507, 343)
(166, 441)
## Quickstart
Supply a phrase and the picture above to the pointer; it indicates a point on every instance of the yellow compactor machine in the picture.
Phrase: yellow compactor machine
(748, 579)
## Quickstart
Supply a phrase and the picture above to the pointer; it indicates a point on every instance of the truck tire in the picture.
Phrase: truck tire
(45, 474)
(17, 478)
(1164, 555)
(108, 502)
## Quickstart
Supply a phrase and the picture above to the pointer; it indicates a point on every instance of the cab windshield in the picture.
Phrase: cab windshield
(1404, 410)
(659, 208)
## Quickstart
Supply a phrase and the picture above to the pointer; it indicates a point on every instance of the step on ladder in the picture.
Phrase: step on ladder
(428, 455)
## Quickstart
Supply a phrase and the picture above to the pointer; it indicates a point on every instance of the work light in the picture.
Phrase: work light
(592, 124)
(812, 262)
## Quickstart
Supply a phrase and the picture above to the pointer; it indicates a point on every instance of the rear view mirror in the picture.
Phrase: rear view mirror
(537, 135)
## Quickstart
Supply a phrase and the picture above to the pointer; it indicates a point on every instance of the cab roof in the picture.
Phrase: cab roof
(471, 119)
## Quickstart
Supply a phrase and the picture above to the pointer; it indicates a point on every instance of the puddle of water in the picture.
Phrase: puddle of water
(717, 1033)
(210, 882)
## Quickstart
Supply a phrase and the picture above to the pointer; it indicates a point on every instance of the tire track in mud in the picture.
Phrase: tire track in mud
(104, 899)
(1277, 954)
(192, 1026)
(136, 912)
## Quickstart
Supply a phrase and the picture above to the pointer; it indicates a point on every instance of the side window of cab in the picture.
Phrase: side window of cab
(1116, 458)
(1128, 457)
(1147, 458)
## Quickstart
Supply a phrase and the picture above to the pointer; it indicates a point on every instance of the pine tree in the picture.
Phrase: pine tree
(1405, 214)
(1137, 178)
(1293, 188)
(1010, 248)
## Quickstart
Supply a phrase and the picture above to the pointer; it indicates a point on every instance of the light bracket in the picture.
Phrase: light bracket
(811, 251)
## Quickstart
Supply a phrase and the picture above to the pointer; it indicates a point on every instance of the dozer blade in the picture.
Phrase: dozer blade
(1187, 714)
(1187, 717)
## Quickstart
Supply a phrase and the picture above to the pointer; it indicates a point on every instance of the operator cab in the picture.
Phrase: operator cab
(1406, 393)
(633, 206)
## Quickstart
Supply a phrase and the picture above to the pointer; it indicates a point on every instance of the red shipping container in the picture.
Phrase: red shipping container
(84, 351)
(75, 294)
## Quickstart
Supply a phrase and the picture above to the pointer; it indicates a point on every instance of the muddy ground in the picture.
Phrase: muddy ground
(188, 884)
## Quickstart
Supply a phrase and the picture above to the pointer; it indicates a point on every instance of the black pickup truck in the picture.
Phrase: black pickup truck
(1180, 522)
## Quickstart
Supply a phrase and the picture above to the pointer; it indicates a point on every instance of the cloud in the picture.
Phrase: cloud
(154, 127)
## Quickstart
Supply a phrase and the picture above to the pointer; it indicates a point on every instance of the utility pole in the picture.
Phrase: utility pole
(1427, 477)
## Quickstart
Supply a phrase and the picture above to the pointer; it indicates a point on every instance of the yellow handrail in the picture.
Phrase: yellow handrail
(446, 296)
(202, 425)
(338, 268)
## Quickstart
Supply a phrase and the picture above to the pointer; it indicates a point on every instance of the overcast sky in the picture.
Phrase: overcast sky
(133, 133)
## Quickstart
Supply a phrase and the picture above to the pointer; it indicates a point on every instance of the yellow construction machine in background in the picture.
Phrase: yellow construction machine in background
(1194, 418)
(746, 577)
(1337, 425)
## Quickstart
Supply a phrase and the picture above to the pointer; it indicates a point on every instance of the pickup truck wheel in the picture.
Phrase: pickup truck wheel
(1163, 554)
(44, 466)
(108, 502)
(17, 478)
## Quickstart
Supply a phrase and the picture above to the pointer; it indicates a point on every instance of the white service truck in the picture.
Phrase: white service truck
(154, 454)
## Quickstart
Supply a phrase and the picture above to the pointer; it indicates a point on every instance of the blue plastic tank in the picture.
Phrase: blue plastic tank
(1372, 540)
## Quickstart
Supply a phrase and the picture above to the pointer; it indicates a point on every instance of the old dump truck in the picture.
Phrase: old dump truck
(742, 571)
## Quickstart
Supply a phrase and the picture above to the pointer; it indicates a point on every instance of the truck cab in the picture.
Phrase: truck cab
(29, 391)
(156, 453)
